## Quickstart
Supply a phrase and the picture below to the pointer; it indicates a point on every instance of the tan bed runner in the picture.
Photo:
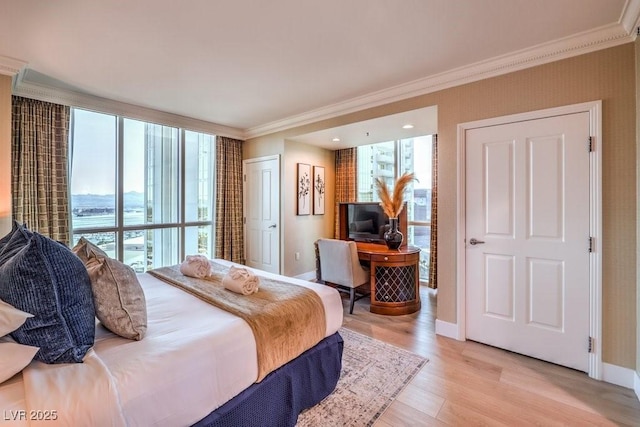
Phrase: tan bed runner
(286, 319)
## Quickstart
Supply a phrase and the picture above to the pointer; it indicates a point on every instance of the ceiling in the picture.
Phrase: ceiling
(423, 121)
(258, 66)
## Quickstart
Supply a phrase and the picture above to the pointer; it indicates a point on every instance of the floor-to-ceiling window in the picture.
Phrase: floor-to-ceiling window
(143, 192)
(388, 160)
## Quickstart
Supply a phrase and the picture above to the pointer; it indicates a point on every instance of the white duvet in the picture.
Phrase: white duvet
(193, 359)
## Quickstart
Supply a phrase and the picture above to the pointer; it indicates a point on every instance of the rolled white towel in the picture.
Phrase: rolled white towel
(196, 266)
(241, 281)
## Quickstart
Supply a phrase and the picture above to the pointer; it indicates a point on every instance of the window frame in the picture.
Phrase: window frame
(119, 229)
(398, 153)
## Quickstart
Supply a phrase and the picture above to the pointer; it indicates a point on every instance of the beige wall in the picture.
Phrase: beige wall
(5, 155)
(607, 75)
(637, 43)
(298, 232)
(301, 231)
(268, 146)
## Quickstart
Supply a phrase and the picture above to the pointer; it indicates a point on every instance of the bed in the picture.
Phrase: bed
(195, 366)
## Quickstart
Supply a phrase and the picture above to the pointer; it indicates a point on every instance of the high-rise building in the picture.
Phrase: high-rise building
(380, 161)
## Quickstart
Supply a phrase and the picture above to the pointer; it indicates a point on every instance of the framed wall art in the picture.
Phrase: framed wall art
(318, 190)
(304, 189)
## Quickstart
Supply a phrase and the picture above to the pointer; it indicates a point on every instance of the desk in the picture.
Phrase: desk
(394, 277)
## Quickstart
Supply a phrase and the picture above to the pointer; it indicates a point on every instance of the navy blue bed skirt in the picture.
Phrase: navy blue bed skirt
(280, 397)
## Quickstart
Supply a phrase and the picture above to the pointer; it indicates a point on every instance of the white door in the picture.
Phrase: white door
(527, 206)
(262, 213)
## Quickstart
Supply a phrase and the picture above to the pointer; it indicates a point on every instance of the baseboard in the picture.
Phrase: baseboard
(447, 329)
(618, 375)
(636, 385)
(309, 275)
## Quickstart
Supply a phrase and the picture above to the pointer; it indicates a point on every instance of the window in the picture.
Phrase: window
(143, 192)
(388, 160)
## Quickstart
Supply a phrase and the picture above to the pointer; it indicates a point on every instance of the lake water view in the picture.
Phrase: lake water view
(134, 244)
(103, 221)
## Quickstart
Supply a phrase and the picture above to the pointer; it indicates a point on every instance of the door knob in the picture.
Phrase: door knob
(475, 241)
(273, 226)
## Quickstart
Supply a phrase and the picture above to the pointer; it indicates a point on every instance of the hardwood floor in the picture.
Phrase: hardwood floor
(467, 383)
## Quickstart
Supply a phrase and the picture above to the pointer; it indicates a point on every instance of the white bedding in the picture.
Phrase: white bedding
(194, 358)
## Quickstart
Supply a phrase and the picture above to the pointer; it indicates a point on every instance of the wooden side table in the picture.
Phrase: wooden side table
(394, 278)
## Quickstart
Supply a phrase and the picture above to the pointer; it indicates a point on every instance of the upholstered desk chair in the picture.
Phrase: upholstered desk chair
(340, 266)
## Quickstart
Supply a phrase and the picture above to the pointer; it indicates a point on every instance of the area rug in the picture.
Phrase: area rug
(373, 374)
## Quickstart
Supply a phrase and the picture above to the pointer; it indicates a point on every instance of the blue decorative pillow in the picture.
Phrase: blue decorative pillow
(13, 242)
(43, 277)
(5, 239)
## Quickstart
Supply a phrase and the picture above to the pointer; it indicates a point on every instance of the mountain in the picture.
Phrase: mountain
(132, 199)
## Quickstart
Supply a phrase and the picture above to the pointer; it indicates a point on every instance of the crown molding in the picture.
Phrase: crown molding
(11, 66)
(590, 41)
(24, 87)
(630, 17)
(601, 38)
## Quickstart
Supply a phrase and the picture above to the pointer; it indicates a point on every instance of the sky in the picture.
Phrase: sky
(93, 168)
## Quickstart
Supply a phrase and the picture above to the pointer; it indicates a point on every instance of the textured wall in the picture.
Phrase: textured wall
(297, 232)
(302, 231)
(638, 205)
(5, 155)
(607, 75)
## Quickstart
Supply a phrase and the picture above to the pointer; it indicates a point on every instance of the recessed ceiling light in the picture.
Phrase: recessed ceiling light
(407, 127)
(336, 139)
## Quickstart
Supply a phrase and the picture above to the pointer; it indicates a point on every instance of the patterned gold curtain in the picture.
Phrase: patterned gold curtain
(346, 181)
(433, 257)
(39, 159)
(229, 233)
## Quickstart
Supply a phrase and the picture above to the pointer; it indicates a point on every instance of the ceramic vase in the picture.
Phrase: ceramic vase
(393, 237)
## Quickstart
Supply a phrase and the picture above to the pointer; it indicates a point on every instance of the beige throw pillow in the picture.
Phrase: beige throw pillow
(11, 318)
(117, 294)
(14, 357)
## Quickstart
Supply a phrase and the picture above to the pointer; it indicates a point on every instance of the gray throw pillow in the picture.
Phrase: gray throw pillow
(117, 294)
(43, 277)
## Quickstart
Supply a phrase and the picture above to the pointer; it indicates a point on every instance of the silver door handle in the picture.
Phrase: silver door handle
(273, 226)
(475, 241)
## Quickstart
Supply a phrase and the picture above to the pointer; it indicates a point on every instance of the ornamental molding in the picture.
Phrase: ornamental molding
(624, 31)
(11, 66)
(590, 41)
(28, 89)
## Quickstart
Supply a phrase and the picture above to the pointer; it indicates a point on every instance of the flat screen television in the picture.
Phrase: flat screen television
(366, 222)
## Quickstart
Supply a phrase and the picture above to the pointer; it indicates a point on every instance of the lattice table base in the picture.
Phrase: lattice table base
(395, 284)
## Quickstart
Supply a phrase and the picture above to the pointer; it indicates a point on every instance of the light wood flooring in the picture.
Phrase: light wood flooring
(467, 383)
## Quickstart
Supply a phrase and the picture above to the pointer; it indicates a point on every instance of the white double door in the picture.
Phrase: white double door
(527, 237)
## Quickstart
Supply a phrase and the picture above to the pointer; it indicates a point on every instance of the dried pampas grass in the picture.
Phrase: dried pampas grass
(392, 203)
